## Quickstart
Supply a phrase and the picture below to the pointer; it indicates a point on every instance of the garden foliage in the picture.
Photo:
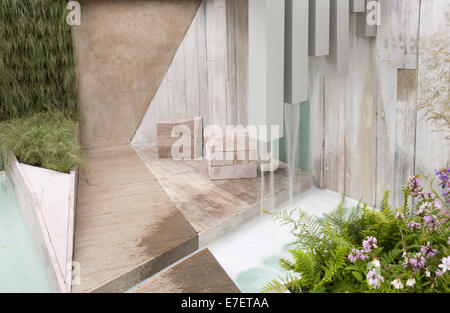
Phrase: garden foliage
(38, 94)
(44, 139)
(36, 59)
(372, 250)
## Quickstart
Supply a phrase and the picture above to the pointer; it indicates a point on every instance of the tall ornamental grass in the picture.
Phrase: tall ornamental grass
(38, 93)
(36, 59)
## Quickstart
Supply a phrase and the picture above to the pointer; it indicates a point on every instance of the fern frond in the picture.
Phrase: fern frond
(304, 265)
(287, 265)
(333, 265)
(281, 285)
(391, 256)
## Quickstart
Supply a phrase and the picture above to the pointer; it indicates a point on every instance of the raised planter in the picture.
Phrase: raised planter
(47, 200)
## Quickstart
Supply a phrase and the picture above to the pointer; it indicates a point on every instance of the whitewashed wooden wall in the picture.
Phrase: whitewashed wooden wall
(208, 76)
(366, 134)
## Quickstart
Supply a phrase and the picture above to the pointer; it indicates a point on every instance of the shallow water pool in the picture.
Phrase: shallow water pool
(250, 254)
(20, 266)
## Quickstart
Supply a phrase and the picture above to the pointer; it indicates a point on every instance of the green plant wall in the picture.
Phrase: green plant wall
(37, 71)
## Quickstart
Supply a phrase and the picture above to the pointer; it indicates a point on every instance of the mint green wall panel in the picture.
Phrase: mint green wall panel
(303, 159)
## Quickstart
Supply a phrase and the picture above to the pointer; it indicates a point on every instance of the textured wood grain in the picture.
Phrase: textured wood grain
(127, 228)
(432, 149)
(209, 73)
(209, 204)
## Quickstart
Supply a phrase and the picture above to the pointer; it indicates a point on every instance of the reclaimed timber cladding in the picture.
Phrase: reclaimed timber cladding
(208, 76)
(366, 134)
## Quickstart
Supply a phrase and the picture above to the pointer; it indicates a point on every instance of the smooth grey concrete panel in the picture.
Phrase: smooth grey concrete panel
(357, 6)
(338, 60)
(122, 52)
(319, 27)
(363, 29)
(266, 63)
(296, 51)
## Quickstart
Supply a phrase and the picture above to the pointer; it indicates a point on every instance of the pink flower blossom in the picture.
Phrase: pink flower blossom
(414, 225)
(370, 244)
(374, 280)
(430, 222)
(356, 254)
(428, 251)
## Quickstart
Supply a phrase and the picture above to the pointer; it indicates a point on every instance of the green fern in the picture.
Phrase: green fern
(304, 265)
(281, 285)
(333, 265)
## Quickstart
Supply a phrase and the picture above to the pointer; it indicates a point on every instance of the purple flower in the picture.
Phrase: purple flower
(425, 196)
(439, 273)
(356, 254)
(374, 280)
(353, 256)
(414, 225)
(428, 251)
(417, 262)
(443, 174)
(414, 186)
(430, 222)
(399, 215)
(370, 244)
(429, 207)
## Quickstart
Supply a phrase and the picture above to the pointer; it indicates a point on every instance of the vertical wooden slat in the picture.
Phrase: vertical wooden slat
(334, 133)
(392, 37)
(200, 20)
(231, 54)
(241, 13)
(404, 131)
(432, 149)
(216, 34)
(191, 71)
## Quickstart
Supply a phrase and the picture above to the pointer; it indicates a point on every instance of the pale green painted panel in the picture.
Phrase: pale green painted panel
(304, 149)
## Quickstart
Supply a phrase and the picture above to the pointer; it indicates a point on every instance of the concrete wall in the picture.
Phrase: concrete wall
(123, 50)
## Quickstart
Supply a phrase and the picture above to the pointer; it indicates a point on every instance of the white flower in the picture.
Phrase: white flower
(411, 282)
(445, 264)
(428, 273)
(397, 284)
(376, 263)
